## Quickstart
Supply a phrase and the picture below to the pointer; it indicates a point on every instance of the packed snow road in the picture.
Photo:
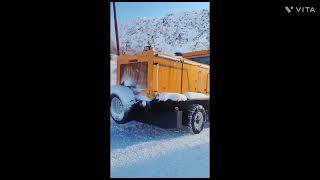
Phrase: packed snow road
(142, 150)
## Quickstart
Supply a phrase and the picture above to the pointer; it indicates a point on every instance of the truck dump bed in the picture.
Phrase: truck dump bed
(153, 72)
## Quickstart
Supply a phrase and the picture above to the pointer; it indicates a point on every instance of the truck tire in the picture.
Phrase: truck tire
(117, 111)
(121, 102)
(195, 117)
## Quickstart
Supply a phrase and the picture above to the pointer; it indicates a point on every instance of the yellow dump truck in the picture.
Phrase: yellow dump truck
(161, 89)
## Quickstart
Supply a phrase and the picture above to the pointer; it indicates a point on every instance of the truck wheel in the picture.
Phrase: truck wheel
(122, 100)
(195, 117)
(117, 111)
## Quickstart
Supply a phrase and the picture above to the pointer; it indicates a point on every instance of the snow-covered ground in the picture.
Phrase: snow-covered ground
(142, 150)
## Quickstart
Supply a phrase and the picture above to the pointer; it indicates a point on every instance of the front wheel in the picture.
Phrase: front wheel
(195, 117)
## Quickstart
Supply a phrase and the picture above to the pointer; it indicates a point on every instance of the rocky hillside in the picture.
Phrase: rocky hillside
(183, 32)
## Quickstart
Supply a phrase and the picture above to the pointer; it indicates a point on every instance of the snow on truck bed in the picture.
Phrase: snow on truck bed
(181, 97)
(193, 95)
(171, 96)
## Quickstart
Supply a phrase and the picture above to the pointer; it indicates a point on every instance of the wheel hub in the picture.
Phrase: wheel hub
(116, 108)
(198, 120)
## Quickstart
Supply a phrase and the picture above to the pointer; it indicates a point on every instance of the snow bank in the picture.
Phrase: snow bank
(171, 96)
(196, 96)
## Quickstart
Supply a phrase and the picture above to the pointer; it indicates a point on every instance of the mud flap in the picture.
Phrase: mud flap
(165, 120)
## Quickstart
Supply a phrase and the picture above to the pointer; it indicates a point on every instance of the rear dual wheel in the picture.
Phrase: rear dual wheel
(195, 117)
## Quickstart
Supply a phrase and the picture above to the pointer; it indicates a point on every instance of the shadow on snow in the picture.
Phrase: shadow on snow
(131, 133)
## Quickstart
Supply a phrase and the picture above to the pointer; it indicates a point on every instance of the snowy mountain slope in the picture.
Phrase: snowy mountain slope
(183, 32)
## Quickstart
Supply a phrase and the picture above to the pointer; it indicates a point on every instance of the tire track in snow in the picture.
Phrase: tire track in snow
(186, 163)
(130, 155)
